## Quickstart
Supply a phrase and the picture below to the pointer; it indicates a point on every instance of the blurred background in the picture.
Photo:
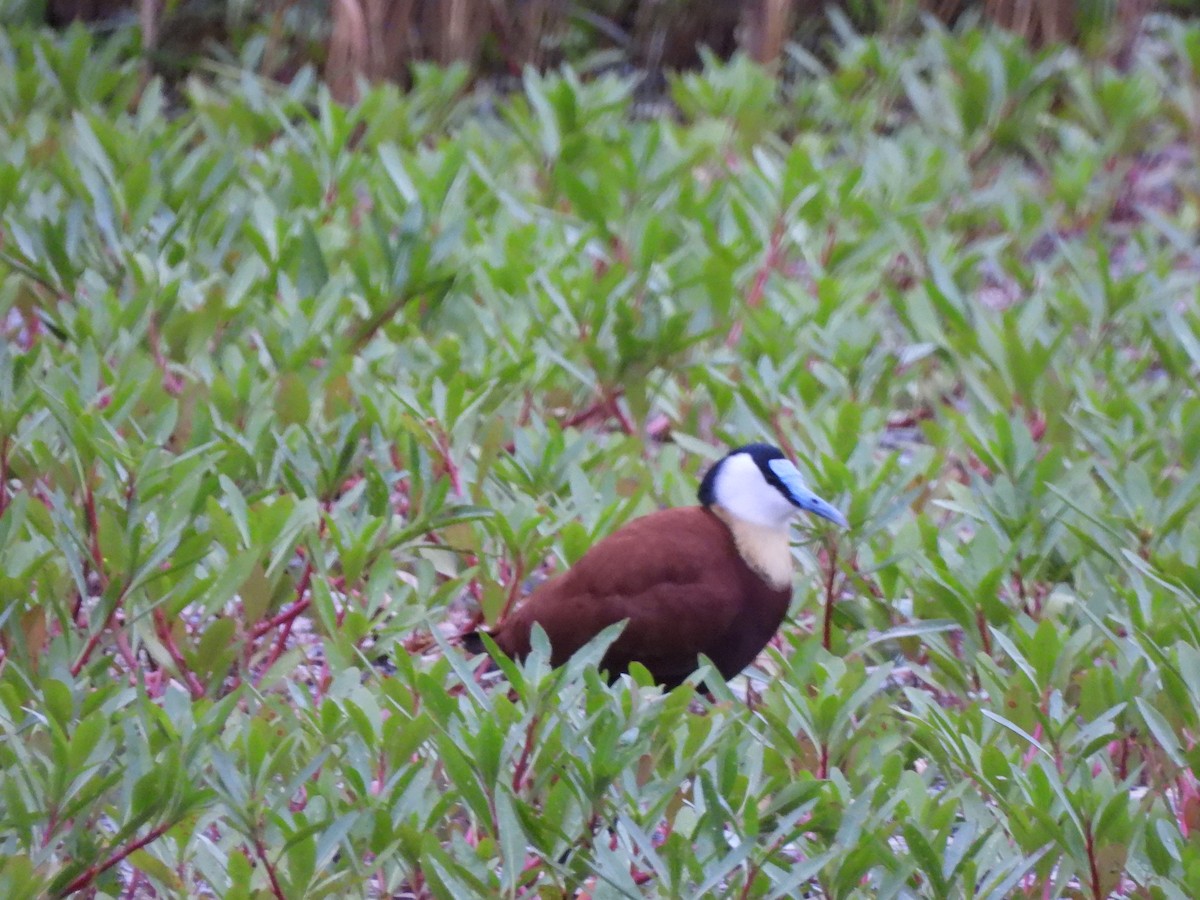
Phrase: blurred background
(381, 39)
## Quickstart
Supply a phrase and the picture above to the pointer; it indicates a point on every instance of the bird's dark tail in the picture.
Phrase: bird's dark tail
(472, 643)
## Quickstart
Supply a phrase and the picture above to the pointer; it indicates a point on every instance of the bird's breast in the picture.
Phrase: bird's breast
(767, 551)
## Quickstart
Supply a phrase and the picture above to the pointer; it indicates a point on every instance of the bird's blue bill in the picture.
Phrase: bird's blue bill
(801, 495)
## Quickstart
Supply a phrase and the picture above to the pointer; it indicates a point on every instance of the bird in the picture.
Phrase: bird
(712, 579)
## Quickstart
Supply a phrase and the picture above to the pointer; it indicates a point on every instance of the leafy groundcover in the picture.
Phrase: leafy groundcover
(290, 393)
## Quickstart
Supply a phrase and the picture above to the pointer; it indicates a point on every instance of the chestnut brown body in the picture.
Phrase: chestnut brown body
(682, 583)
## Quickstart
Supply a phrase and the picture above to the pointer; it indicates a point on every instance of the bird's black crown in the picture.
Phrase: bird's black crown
(762, 454)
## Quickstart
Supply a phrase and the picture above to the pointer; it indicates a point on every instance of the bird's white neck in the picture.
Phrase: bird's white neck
(766, 549)
(743, 491)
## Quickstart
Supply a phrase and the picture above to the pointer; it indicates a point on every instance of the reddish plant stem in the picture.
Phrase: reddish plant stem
(620, 251)
(514, 590)
(51, 827)
(911, 419)
(626, 423)
(286, 619)
(359, 335)
(416, 884)
(135, 884)
(86, 654)
(277, 649)
(1031, 753)
(607, 407)
(163, 629)
(171, 383)
(523, 762)
(97, 563)
(1018, 586)
(526, 408)
(830, 577)
(830, 245)
(3, 474)
(126, 652)
(301, 603)
(94, 564)
(92, 872)
(584, 416)
(1093, 866)
(823, 762)
(322, 685)
(1189, 801)
(781, 437)
(380, 772)
(261, 852)
(282, 618)
(1123, 763)
(94, 639)
(772, 260)
(448, 464)
(758, 287)
(984, 637)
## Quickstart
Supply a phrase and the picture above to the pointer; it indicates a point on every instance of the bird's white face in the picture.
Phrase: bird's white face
(743, 488)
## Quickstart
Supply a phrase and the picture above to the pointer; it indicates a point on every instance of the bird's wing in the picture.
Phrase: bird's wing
(670, 628)
(671, 574)
(671, 621)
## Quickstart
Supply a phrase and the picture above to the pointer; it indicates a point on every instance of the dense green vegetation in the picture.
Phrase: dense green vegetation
(289, 392)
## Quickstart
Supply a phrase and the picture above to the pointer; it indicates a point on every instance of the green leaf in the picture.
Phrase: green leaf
(292, 403)
(1164, 735)
(512, 840)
